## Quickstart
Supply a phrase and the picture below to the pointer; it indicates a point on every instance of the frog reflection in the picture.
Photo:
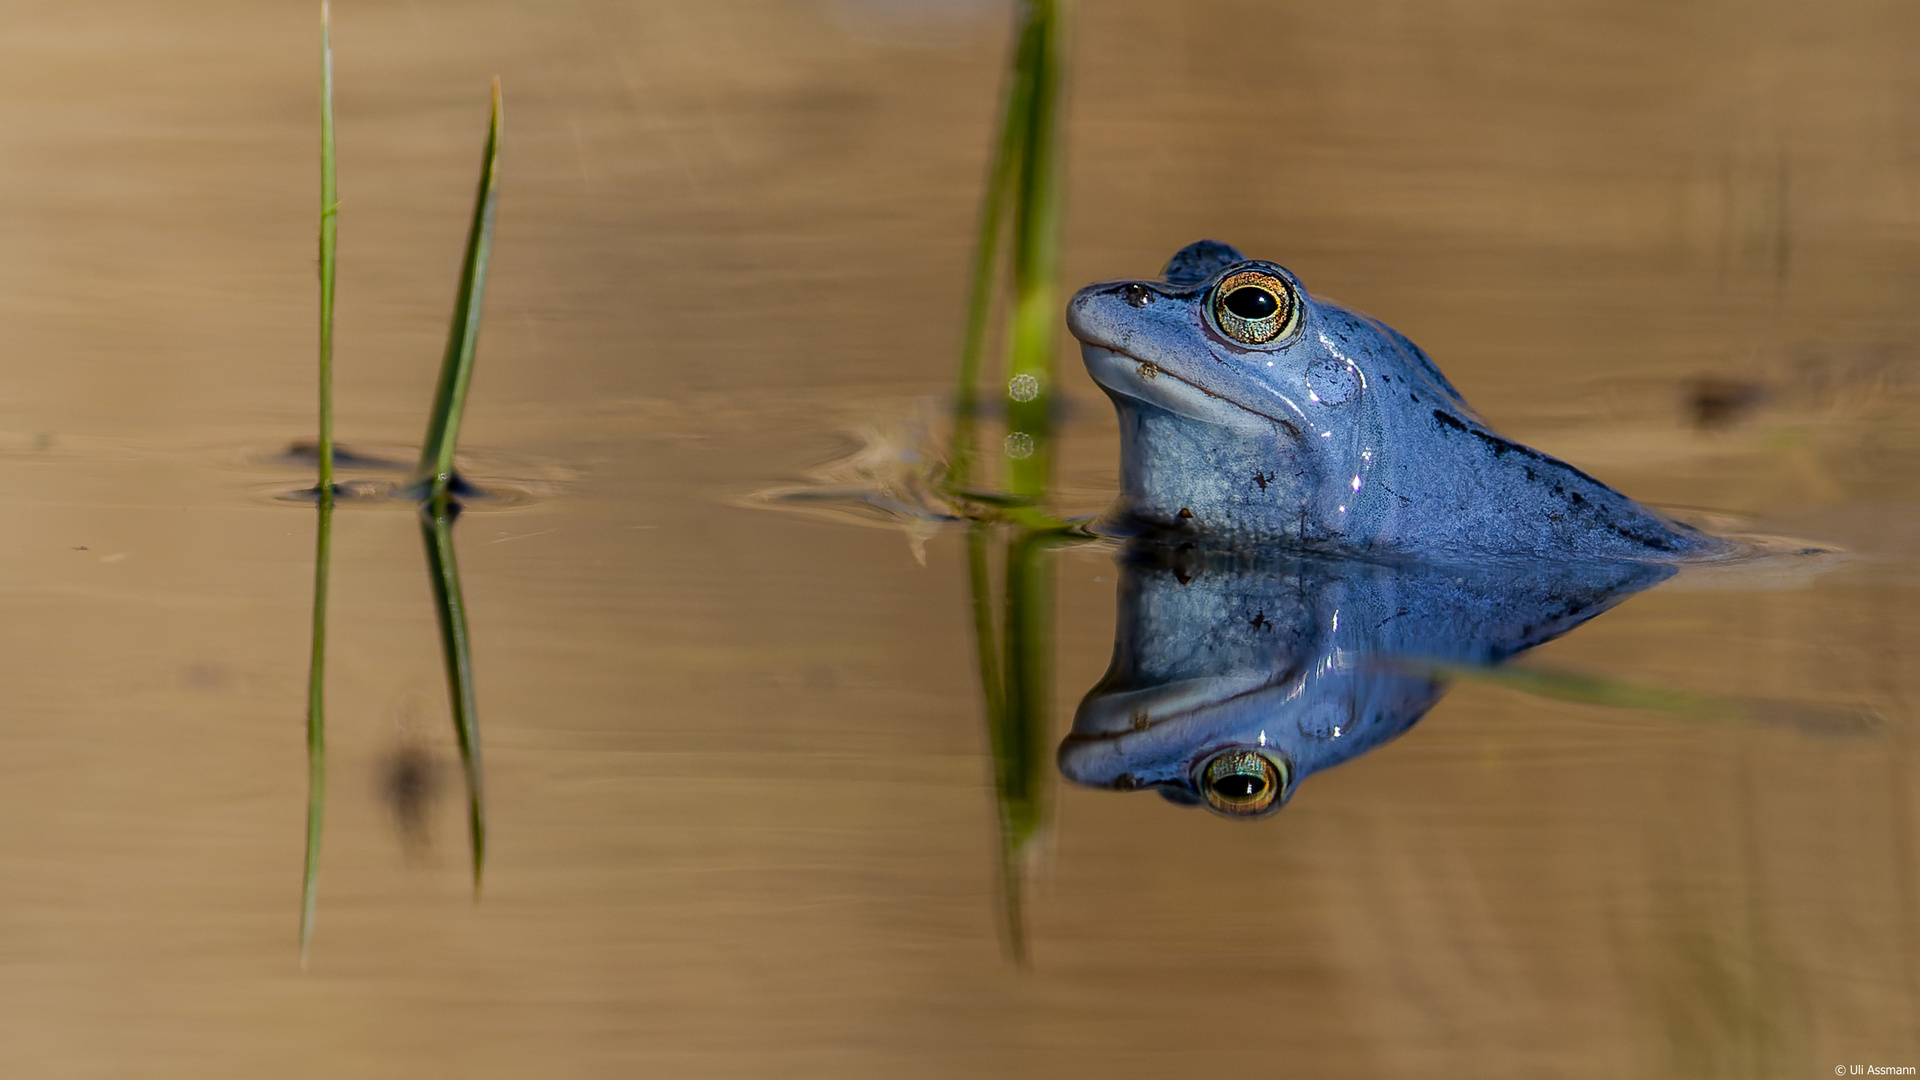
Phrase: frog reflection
(1254, 411)
(1236, 675)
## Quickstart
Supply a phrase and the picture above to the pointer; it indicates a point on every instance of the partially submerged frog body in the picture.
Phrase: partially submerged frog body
(1250, 410)
(1235, 675)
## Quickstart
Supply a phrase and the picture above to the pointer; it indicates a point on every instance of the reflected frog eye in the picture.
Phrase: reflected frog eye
(1254, 306)
(1241, 783)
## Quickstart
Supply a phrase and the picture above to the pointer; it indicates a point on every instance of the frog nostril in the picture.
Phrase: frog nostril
(1138, 295)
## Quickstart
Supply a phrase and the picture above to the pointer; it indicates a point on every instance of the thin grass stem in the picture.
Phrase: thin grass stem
(1016, 678)
(329, 242)
(1001, 173)
(324, 491)
(1036, 247)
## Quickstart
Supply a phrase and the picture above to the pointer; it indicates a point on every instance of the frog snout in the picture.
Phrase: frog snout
(1103, 313)
(1087, 317)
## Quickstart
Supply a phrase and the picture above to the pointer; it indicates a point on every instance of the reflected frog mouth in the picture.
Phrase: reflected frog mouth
(1123, 374)
(1110, 716)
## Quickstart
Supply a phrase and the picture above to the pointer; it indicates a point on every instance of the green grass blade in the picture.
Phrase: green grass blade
(1025, 174)
(1001, 173)
(463, 337)
(1806, 717)
(329, 240)
(1601, 690)
(1036, 260)
(436, 526)
(323, 487)
(1016, 672)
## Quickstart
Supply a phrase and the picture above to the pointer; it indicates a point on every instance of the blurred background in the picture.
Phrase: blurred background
(739, 789)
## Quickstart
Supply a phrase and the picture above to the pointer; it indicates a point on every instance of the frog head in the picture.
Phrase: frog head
(1245, 403)
(1251, 410)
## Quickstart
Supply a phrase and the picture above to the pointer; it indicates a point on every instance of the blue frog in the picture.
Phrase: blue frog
(1251, 411)
(1237, 673)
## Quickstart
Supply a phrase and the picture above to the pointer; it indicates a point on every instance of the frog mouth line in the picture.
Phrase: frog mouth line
(1147, 369)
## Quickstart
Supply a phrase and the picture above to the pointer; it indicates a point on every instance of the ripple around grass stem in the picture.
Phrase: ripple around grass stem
(435, 485)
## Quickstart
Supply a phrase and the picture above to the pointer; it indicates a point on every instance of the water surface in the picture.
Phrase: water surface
(739, 791)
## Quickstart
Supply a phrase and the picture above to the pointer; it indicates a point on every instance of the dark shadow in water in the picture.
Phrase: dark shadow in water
(392, 480)
(1235, 676)
(410, 783)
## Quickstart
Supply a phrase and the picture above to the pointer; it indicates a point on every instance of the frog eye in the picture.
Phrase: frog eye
(1254, 306)
(1242, 783)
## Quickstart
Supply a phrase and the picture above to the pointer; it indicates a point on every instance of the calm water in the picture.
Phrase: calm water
(739, 789)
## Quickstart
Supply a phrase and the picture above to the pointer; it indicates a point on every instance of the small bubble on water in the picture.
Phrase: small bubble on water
(1023, 388)
(1019, 445)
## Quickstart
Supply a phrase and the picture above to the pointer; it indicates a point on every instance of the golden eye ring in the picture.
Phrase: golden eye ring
(1254, 307)
(1242, 783)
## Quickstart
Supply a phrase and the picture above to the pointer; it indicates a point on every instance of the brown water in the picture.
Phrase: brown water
(738, 786)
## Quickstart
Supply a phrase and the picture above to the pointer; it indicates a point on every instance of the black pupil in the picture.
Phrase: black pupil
(1252, 302)
(1239, 787)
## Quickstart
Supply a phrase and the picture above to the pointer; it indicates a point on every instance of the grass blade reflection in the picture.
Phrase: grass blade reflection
(1808, 718)
(436, 529)
(986, 639)
(1019, 717)
(316, 724)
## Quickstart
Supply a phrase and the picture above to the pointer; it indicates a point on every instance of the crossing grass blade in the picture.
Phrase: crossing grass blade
(961, 457)
(1015, 650)
(1023, 198)
(1807, 718)
(435, 474)
(1035, 322)
(436, 528)
(323, 489)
